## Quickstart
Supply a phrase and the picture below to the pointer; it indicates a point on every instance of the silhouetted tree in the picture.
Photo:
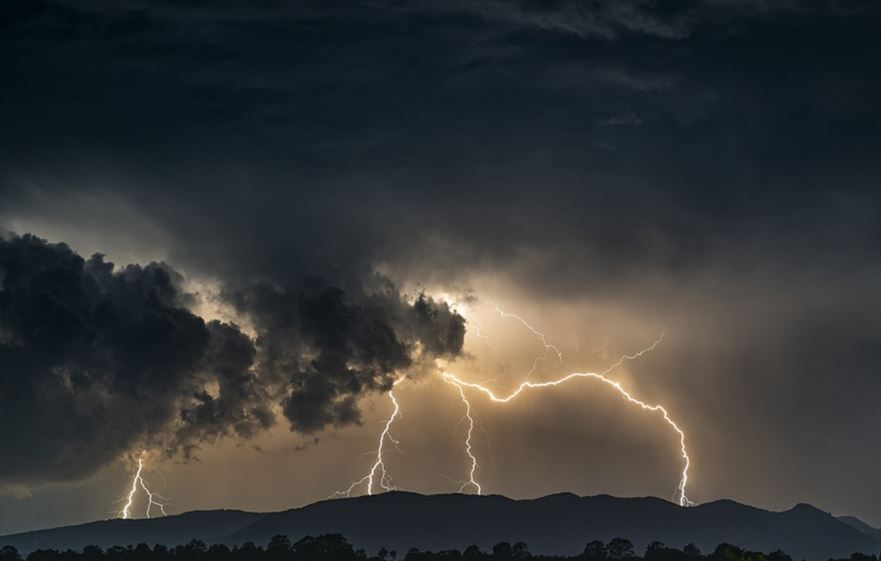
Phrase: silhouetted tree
(246, 552)
(520, 551)
(216, 552)
(115, 552)
(92, 553)
(620, 548)
(595, 551)
(778, 556)
(727, 552)
(502, 551)
(9, 553)
(279, 548)
(692, 551)
(193, 551)
(161, 552)
(655, 551)
(46, 555)
(141, 552)
(331, 547)
(472, 553)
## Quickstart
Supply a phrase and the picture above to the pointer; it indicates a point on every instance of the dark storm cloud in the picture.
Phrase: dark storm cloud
(332, 128)
(95, 361)
(357, 342)
(241, 405)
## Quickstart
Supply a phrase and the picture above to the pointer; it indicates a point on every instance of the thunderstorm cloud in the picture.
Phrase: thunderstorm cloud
(96, 361)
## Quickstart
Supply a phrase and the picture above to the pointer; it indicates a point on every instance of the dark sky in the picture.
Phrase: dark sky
(297, 202)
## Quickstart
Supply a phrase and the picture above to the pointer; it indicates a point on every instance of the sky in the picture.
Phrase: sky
(227, 228)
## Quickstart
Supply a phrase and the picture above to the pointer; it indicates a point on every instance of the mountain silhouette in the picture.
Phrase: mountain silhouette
(210, 526)
(555, 524)
(861, 526)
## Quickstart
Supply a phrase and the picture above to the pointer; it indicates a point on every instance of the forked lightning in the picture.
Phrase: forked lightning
(683, 482)
(138, 481)
(460, 384)
(378, 467)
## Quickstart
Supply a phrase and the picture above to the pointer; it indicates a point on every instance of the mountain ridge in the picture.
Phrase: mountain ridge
(561, 523)
(861, 526)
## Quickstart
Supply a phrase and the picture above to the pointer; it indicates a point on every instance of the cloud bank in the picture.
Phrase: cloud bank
(97, 361)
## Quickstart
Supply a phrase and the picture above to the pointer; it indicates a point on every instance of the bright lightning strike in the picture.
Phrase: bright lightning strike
(138, 481)
(474, 467)
(527, 385)
(478, 332)
(378, 468)
(548, 347)
(541, 337)
(636, 355)
(379, 476)
(460, 385)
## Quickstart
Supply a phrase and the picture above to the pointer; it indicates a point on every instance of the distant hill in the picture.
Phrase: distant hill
(556, 524)
(210, 526)
(861, 526)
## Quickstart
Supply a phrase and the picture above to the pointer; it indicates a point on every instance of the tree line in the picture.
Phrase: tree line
(335, 547)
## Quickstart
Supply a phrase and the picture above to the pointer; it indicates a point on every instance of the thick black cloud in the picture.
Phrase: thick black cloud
(240, 403)
(327, 347)
(96, 362)
(93, 361)
(353, 133)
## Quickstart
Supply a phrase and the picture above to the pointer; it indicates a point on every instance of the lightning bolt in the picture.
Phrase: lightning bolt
(474, 466)
(541, 337)
(636, 355)
(378, 468)
(478, 332)
(601, 377)
(460, 385)
(548, 347)
(138, 481)
(378, 474)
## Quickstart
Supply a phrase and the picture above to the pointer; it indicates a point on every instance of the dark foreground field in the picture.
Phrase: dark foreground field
(334, 547)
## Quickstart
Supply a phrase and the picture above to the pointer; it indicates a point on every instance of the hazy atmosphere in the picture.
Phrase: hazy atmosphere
(228, 228)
